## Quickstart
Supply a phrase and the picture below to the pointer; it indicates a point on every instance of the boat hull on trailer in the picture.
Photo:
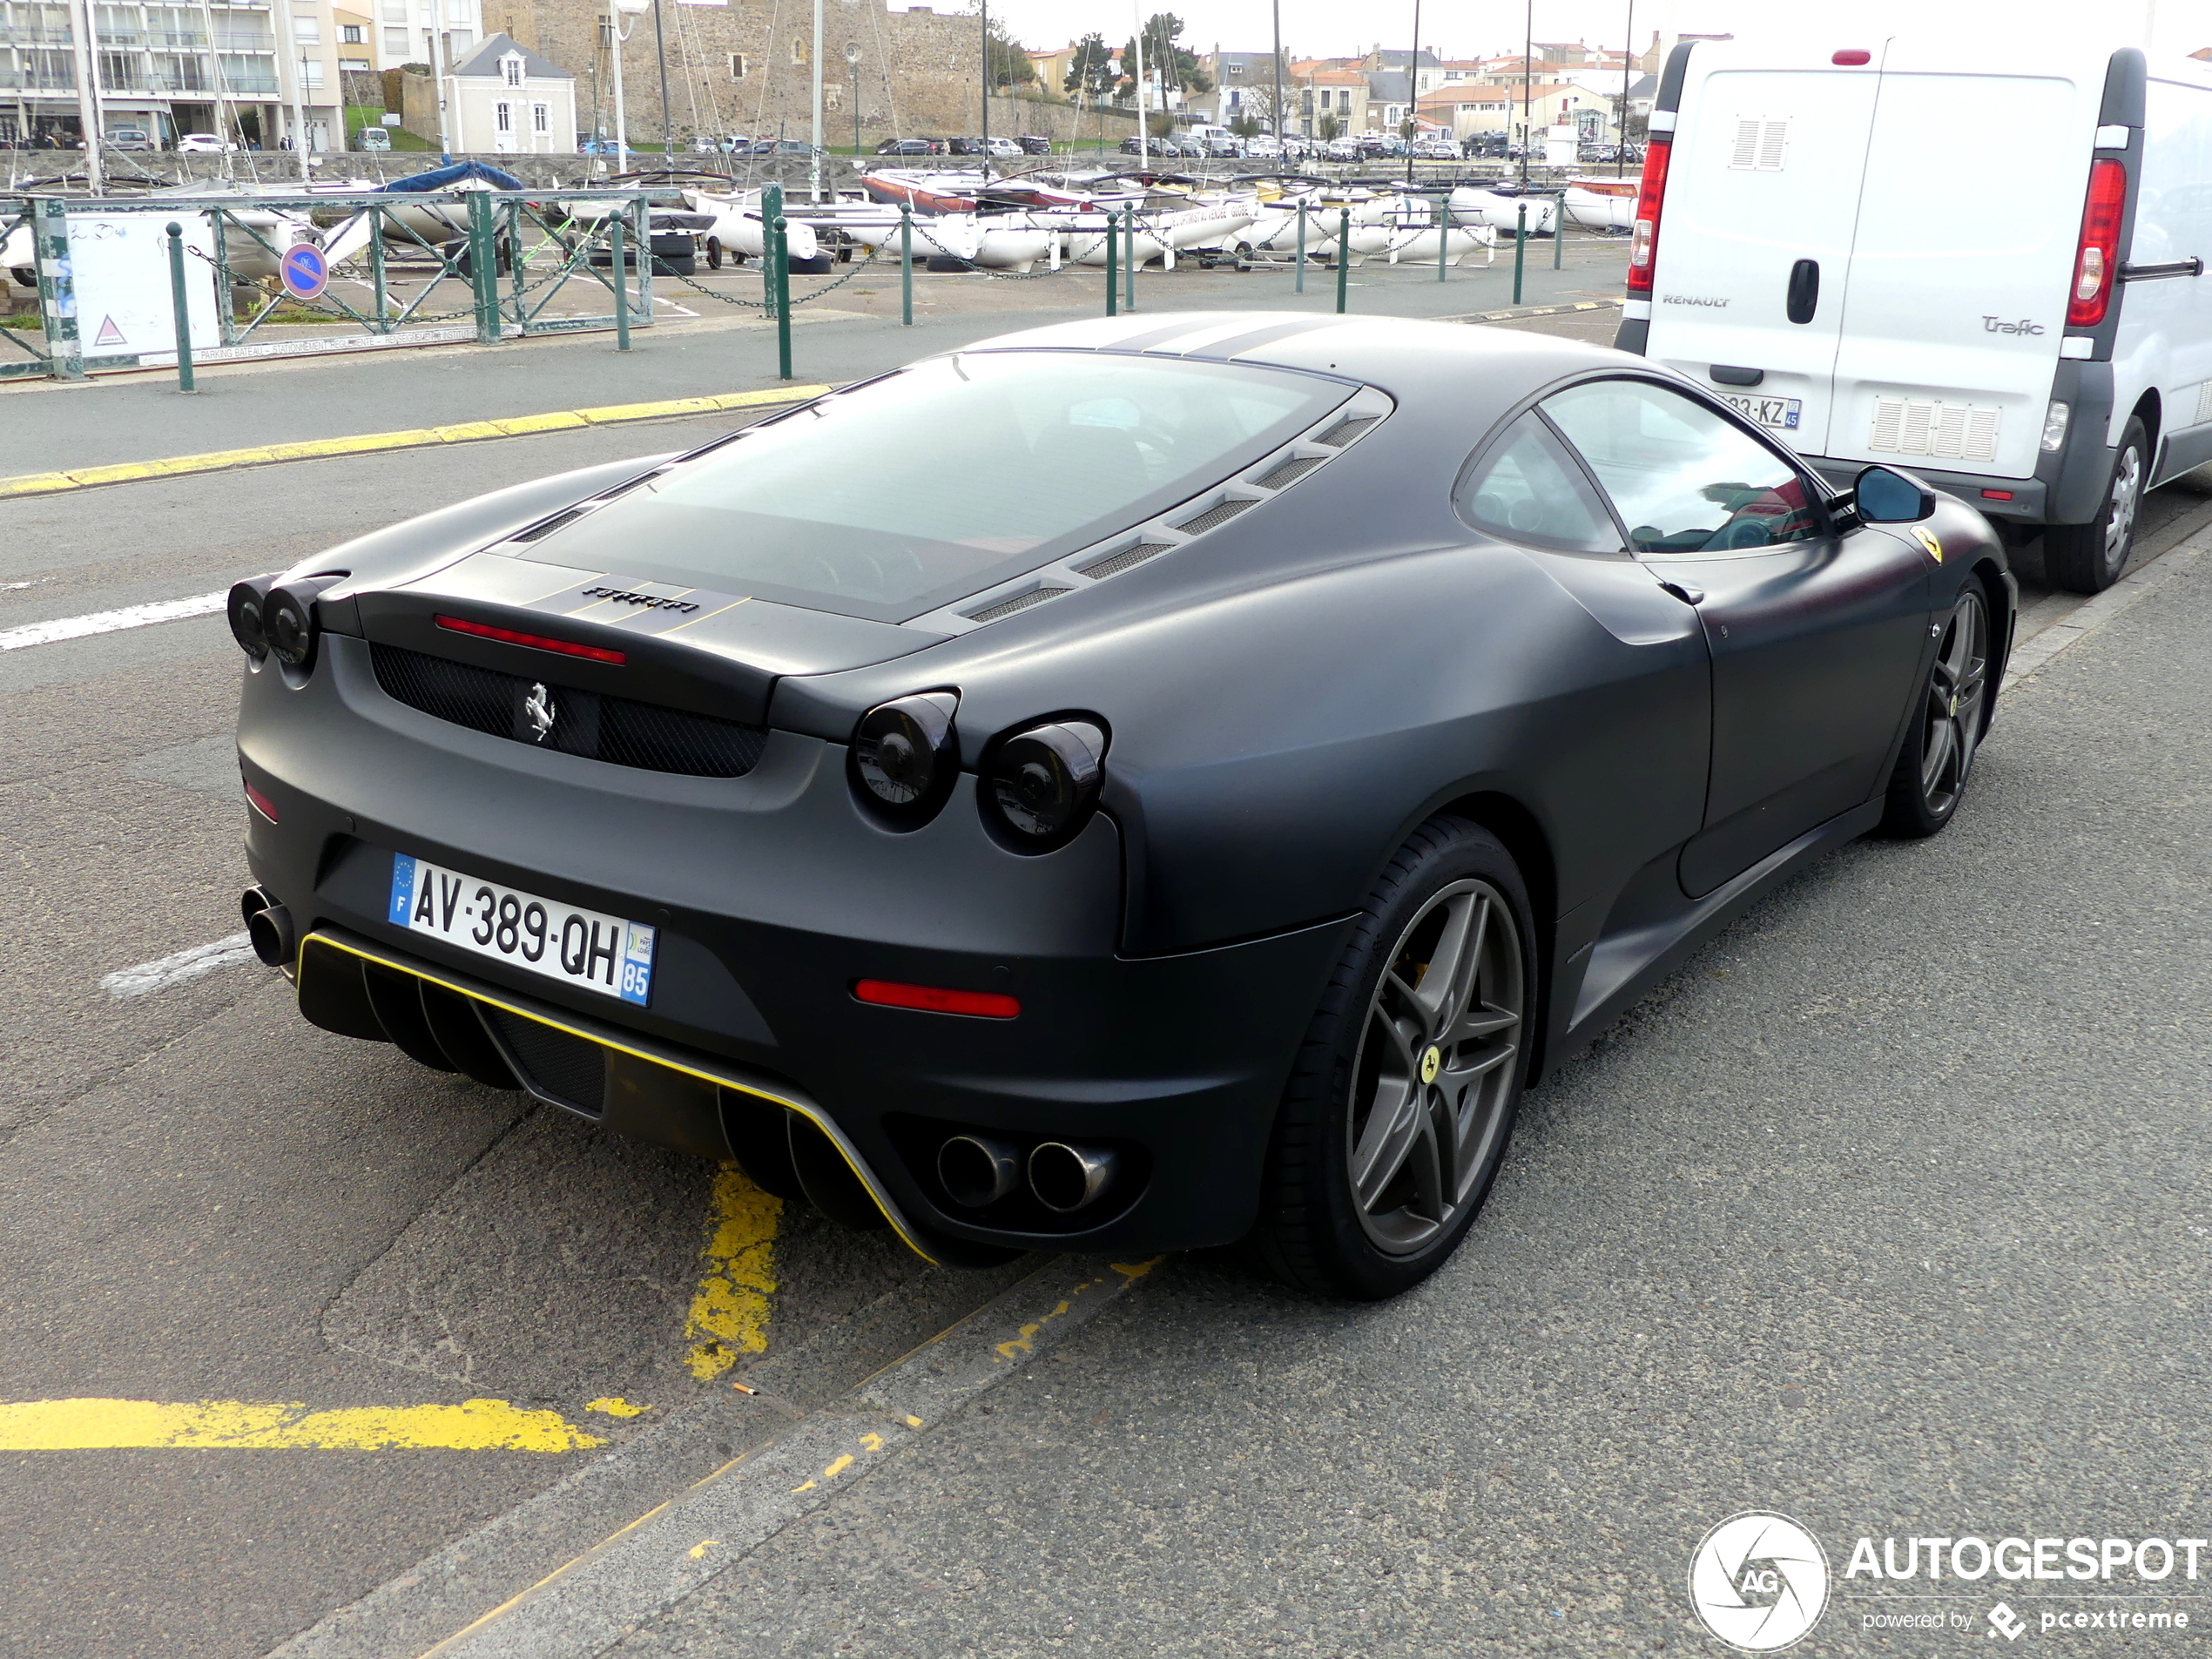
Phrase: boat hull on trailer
(1601, 204)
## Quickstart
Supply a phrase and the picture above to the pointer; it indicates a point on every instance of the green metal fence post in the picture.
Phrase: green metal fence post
(1300, 288)
(906, 261)
(1129, 264)
(1559, 228)
(225, 304)
(616, 226)
(779, 255)
(515, 260)
(57, 288)
(1520, 245)
(1112, 263)
(1344, 255)
(376, 268)
(483, 267)
(641, 234)
(1443, 229)
(180, 305)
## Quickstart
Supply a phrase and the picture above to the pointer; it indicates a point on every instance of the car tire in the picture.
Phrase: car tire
(2089, 558)
(1949, 717)
(713, 253)
(1357, 1204)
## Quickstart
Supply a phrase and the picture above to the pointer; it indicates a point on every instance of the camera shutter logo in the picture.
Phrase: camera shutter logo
(1759, 1581)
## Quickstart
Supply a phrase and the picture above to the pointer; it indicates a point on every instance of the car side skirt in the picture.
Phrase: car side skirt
(1627, 962)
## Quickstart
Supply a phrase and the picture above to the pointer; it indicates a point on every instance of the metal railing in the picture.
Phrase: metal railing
(511, 255)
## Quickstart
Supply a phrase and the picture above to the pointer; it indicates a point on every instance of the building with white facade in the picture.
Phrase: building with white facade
(504, 99)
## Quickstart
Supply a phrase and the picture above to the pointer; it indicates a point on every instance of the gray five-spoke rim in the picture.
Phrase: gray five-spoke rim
(1956, 691)
(2127, 492)
(1436, 1067)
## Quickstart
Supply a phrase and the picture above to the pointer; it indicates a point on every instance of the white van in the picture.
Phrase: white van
(1987, 266)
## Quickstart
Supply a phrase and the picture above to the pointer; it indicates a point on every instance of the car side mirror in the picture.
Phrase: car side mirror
(1886, 495)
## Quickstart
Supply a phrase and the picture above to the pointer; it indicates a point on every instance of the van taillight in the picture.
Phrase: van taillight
(2097, 259)
(1643, 240)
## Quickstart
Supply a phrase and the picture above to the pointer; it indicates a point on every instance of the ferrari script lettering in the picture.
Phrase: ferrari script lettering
(646, 600)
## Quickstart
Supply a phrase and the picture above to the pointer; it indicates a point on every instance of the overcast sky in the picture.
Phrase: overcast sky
(1468, 28)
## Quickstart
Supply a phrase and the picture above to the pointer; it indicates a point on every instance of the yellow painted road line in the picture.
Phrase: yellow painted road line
(49, 483)
(729, 1314)
(235, 1425)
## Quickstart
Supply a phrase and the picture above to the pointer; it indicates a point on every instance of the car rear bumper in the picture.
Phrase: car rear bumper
(773, 896)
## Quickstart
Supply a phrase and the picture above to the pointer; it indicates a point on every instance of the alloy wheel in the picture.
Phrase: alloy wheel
(1434, 1074)
(1957, 689)
(2127, 496)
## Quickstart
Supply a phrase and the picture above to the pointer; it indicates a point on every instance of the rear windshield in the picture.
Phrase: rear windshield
(920, 488)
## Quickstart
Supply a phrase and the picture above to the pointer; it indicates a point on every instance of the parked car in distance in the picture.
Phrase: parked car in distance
(205, 144)
(1035, 144)
(129, 139)
(964, 146)
(373, 138)
(1228, 148)
(781, 147)
(1342, 150)
(1436, 150)
(1262, 146)
(905, 147)
(1003, 148)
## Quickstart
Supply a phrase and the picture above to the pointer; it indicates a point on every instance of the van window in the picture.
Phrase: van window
(1527, 489)
(1682, 479)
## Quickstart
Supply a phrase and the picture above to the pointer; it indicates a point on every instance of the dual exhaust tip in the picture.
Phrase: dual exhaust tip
(268, 926)
(980, 1169)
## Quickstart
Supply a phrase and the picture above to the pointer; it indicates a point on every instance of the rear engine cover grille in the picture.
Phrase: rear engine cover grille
(612, 729)
(569, 1070)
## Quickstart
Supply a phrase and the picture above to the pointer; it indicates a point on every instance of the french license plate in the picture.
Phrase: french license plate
(580, 948)
(1776, 414)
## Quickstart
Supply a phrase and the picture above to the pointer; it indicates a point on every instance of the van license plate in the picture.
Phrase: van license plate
(583, 948)
(1776, 414)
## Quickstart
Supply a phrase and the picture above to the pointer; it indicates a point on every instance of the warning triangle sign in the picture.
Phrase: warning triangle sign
(108, 335)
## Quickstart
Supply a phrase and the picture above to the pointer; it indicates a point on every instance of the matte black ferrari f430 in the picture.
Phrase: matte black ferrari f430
(1185, 796)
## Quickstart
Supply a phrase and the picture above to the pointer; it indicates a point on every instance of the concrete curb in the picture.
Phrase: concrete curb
(2084, 619)
(1514, 313)
(49, 483)
(673, 1548)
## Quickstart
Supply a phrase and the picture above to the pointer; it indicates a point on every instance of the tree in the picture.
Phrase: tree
(1166, 64)
(1328, 127)
(1091, 72)
(1258, 106)
(1247, 125)
(1009, 63)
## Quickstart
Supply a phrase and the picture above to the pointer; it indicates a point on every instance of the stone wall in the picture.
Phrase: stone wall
(917, 72)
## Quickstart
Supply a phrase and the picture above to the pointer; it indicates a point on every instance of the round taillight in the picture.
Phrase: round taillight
(289, 625)
(248, 599)
(1041, 783)
(905, 759)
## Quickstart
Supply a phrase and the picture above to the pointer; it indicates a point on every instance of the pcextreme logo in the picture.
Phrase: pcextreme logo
(1759, 1581)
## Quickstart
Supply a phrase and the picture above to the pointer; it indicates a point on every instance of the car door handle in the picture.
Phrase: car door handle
(1689, 594)
(1805, 290)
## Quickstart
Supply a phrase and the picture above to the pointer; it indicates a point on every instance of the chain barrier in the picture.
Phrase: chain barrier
(858, 266)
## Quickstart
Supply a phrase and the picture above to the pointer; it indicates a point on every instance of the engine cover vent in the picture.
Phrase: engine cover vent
(1909, 426)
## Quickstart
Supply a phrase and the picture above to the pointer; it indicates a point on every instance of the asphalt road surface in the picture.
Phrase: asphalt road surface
(1886, 1212)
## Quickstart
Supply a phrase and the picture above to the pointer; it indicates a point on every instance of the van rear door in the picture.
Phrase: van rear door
(1955, 304)
(1764, 176)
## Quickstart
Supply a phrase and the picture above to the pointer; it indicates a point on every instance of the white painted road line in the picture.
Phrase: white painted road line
(175, 970)
(108, 621)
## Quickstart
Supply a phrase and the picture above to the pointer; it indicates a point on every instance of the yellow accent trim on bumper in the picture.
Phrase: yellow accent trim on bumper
(804, 1107)
(127, 472)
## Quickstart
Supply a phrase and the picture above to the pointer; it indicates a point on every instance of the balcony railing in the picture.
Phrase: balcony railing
(32, 80)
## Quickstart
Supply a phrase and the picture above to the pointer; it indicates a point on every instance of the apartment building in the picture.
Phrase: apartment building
(230, 67)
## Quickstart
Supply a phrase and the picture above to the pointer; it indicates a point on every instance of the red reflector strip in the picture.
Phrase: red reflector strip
(260, 803)
(1996, 495)
(535, 642)
(930, 999)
